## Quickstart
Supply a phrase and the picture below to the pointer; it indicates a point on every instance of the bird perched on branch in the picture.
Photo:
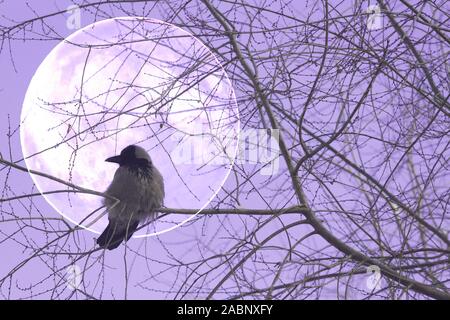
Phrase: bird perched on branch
(140, 188)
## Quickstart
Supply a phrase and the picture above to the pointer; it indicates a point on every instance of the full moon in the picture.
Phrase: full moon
(129, 81)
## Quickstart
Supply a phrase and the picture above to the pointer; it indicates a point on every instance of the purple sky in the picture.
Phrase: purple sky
(153, 277)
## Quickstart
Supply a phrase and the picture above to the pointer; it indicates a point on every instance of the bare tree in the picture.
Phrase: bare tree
(357, 93)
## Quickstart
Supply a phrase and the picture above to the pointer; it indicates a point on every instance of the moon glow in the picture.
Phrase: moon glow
(128, 81)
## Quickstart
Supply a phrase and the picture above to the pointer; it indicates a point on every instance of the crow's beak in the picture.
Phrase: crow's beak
(115, 159)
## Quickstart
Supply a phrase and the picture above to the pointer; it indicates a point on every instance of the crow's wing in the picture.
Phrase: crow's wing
(116, 232)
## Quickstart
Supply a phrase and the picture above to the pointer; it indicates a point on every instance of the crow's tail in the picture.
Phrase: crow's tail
(115, 233)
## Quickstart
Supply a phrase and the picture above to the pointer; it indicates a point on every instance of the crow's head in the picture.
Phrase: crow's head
(132, 156)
